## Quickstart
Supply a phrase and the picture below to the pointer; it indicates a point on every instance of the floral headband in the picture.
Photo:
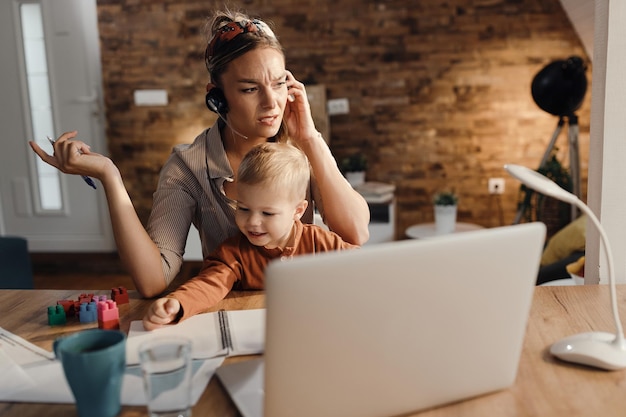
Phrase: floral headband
(230, 31)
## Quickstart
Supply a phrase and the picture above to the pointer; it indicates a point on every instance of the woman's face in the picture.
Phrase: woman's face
(255, 87)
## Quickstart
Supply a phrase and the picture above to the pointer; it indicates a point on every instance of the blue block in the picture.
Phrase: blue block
(88, 312)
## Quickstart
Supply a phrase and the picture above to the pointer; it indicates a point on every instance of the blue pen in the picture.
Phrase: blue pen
(85, 178)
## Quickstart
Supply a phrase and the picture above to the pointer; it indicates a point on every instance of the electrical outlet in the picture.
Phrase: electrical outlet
(338, 106)
(496, 185)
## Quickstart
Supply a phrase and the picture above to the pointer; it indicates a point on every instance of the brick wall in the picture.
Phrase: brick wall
(439, 92)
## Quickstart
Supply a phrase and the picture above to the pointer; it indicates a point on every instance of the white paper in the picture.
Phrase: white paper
(247, 329)
(41, 379)
(22, 351)
(244, 382)
(17, 379)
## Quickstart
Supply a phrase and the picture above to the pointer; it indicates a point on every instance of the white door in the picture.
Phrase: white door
(54, 211)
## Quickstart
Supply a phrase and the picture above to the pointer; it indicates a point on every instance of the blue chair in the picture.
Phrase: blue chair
(16, 271)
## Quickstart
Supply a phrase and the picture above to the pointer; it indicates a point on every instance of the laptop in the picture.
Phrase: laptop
(392, 328)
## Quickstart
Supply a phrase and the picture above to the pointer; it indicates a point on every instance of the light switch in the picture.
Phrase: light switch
(338, 106)
(150, 98)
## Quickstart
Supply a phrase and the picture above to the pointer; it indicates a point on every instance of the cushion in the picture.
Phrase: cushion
(566, 241)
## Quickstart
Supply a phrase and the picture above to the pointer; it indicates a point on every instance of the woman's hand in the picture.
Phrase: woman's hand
(73, 156)
(138, 252)
(345, 211)
(297, 115)
(163, 311)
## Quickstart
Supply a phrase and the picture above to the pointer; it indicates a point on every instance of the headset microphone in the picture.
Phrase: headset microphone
(216, 102)
(229, 125)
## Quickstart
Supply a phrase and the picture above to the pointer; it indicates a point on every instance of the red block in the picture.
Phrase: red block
(109, 325)
(85, 298)
(69, 306)
(119, 295)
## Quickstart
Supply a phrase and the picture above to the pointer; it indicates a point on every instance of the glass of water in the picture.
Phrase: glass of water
(166, 367)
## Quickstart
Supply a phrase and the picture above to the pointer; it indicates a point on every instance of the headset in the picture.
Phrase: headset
(215, 99)
(216, 102)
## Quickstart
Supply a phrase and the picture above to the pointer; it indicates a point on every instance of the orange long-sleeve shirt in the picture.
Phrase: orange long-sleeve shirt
(238, 262)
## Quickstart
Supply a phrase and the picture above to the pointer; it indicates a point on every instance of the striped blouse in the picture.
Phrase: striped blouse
(190, 191)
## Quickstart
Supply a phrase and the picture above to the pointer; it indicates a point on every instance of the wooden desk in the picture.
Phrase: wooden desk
(544, 386)
(24, 312)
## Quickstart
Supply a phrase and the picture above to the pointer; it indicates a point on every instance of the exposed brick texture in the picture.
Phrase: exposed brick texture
(439, 91)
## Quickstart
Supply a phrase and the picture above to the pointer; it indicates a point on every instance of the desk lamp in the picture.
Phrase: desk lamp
(597, 349)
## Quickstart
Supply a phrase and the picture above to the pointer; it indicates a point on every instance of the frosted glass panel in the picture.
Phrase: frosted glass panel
(42, 127)
(51, 196)
(31, 13)
(35, 52)
(39, 91)
(34, 45)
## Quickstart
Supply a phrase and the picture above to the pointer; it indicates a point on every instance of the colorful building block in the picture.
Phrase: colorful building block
(69, 306)
(56, 315)
(98, 298)
(85, 298)
(88, 312)
(108, 315)
(119, 295)
(89, 308)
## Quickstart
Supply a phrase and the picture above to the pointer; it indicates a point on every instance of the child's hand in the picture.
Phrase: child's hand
(163, 311)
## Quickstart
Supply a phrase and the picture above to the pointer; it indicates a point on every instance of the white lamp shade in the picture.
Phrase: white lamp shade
(540, 183)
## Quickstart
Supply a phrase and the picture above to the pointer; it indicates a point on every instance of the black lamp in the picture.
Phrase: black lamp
(559, 88)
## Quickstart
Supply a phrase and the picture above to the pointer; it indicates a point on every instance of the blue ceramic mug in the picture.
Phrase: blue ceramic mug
(94, 362)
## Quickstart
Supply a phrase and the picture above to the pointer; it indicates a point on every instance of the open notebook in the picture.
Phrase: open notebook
(221, 333)
(392, 328)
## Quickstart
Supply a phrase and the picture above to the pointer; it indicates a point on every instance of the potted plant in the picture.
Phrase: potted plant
(445, 203)
(445, 198)
(353, 168)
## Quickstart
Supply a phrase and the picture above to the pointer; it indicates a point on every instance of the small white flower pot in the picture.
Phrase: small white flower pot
(355, 178)
(445, 219)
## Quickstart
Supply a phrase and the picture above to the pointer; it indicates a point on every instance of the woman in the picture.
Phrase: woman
(257, 100)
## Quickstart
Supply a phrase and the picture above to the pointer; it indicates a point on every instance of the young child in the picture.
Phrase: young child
(272, 181)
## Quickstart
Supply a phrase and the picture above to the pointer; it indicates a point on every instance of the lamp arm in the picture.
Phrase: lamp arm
(619, 339)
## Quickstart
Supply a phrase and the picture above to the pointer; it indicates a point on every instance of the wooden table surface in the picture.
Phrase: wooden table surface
(544, 385)
(24, 313)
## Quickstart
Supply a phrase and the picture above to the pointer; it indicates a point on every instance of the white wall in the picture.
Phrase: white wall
(581, 14)
(607, 153)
